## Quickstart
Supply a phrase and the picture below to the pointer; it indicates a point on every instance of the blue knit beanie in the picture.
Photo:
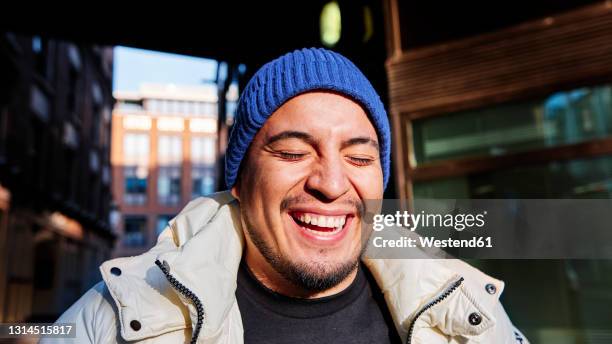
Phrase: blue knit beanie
(290, 75)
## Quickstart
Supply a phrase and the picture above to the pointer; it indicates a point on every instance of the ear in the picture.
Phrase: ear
(235, 190)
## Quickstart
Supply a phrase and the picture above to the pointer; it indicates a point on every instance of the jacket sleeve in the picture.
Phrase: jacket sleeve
(94, 318)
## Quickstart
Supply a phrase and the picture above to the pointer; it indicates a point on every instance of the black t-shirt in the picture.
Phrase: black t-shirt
(358, 314)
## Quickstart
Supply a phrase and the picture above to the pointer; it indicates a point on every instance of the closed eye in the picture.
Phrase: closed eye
(360, 161)
(291, 156)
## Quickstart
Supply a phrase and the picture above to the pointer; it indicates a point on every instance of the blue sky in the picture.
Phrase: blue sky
(135, 66)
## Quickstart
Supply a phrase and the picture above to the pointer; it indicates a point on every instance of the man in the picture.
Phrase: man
(278, 258)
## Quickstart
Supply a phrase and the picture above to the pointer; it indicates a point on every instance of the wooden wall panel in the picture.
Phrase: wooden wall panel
(535, 57)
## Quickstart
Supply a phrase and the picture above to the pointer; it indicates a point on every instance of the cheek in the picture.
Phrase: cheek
(281, 176)
(266, 177)
(368, 183)
(267, 184)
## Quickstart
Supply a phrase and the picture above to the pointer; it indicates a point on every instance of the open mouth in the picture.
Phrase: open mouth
(321, 225)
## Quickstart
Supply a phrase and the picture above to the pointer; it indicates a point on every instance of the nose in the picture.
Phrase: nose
(328, 178)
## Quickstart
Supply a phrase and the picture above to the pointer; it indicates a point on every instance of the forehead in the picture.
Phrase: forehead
(321, 112)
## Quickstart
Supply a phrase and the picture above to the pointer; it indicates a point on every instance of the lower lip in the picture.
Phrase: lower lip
(323, 239)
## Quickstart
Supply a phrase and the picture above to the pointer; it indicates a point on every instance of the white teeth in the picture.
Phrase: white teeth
(323, 221)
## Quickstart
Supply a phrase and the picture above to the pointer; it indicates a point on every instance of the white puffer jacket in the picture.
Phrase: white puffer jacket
(183, 290)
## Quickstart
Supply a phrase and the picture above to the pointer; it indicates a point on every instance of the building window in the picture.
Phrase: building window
(203, 150)
(203, 125)
(152, 105)
(203, 181)
(163, 106)
(170, 156)
(135, 171)
(136, 122)
(488, 148)
(136, 149)
(169, 185)
(203, 158)
(134, 231)
(135, 185)
(162, 223)
(170, 124)
(211, 109)
(581, 178)
(562, 118)
(169, 150)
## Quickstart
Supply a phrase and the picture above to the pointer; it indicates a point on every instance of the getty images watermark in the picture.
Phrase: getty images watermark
(412, 222)
(489, 228)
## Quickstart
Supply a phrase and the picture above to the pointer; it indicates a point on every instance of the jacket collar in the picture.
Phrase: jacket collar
(203, 247)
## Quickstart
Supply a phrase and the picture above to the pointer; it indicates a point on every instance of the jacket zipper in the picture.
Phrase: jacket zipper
(188, 294)
(437, 300)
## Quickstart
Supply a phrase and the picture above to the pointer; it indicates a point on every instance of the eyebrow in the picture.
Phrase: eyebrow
(300, 135)
(362, 140)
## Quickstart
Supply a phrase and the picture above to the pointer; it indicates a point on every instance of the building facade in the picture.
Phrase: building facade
(55, 113)
(164, 153)
(510, 101)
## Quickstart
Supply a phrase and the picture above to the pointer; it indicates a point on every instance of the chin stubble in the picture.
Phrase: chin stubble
(310, 277)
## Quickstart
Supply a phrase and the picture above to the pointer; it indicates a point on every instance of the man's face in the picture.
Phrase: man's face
(303, 183)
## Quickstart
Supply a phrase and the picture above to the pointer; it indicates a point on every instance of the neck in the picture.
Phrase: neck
(273, 280)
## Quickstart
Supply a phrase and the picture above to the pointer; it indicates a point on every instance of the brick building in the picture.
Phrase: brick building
(164, 153)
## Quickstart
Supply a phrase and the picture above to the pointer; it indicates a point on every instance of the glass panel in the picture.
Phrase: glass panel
(585, 178)
(169, 185)
(170, 124)
(135, 172)
(579, 291)
(203, 181)
(152, 105)
(135, 149)
(211, 109)
(135, 185)
(135, 227)
(169, 150)
(164, 106)
(203, 150)
(562, 118)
